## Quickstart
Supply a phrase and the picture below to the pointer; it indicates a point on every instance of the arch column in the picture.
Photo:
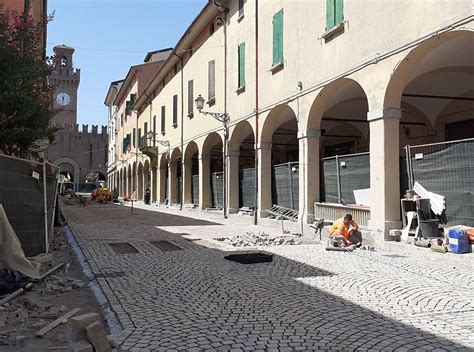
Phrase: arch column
(186, 179)
(308, 173)
(204, 180)
(264, 178)
(153, 183)
(233, 180)
(161, 184)
(384, 169)
(173, 177)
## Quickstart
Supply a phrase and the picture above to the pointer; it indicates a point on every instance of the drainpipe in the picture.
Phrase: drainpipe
(226, 129)
(255, 216)
(182, 129)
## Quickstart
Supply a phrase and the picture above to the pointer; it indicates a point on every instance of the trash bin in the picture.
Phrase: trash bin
(147, 195)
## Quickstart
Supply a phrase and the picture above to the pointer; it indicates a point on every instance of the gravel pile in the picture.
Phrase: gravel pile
(261, 238)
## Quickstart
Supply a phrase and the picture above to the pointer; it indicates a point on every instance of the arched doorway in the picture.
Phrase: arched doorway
(191, 174)
(140, 181)
(212, 176)
(242, 168)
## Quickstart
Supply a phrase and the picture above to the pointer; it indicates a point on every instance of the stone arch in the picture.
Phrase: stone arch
(239, 133)
(191, 174)
(433, 54)
(73, 163)
(277, 117)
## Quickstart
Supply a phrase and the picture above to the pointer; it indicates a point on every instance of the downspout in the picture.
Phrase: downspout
(150, 173)
(255, 216)
(182, 130)
(226, 129)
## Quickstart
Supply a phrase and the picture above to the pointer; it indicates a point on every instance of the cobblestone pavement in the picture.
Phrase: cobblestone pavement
(306, 299)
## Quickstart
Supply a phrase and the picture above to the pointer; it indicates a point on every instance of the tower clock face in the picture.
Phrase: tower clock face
(63, 99)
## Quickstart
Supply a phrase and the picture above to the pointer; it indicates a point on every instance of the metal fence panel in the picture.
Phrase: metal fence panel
(285, 185)
(23, 200)
(217, 185)
(354, 173)
(247, 188)
(195, 189)
(167, 190)
(179, 189)
(447, 169)
(341, 175)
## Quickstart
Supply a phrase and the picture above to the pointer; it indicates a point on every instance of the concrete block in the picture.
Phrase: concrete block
(80, 346)
(97, 335)
(80, 322)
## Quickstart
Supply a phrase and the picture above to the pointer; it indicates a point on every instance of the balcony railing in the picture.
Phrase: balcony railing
(146, 147)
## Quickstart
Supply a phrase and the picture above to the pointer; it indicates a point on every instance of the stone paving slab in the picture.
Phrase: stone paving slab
(306, 299)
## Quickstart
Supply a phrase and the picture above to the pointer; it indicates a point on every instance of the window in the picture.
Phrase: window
(211, 89)
(278, 38)
(334, 13)
(134, 137)
(241, 8)
(241, 73)
(145, 128)
(121, 119)
(139, 133)
(190, 98)
(163, 120)
(175, 111)
(154, 130)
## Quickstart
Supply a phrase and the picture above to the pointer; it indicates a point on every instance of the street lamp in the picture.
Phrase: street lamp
(225, 119)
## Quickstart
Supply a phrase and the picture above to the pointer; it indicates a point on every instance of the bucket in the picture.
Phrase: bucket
(429, 228)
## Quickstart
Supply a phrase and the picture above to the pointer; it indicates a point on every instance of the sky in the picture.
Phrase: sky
(110, 36)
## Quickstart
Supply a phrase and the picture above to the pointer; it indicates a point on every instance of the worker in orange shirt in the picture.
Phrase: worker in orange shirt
(345, 232)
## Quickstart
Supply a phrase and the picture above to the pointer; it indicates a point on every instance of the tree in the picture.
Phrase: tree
(25, 98)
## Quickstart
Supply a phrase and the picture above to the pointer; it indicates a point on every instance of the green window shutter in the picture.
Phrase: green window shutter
(241, 65)
(278, 37)
(134, 136)
(339, 17)
(330, 14)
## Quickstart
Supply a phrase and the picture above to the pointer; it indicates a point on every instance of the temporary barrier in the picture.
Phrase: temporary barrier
(341, 175)
(447, 169)
(24, 198)
(285, 183)
(195, 189)
(167, 186)
(247, 188)
(217, 186)
(179, 190)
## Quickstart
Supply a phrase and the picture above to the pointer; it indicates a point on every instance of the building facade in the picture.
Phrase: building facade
(78, 152)
(302, 82)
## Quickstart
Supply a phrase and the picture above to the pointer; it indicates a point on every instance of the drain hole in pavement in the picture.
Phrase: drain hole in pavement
(166, 246)
(123, 248)
(250, 258)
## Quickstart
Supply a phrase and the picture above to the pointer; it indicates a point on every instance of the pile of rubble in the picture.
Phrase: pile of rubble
(87, 333)
(261, 238)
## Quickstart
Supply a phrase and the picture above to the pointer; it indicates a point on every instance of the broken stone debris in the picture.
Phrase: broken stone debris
(258, 239)
(97, 335)
(87, 330)
(80, 346)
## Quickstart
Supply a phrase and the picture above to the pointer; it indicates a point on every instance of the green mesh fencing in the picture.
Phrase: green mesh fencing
(217, 186)
(247, 188)
(285, 185)
(195, 189)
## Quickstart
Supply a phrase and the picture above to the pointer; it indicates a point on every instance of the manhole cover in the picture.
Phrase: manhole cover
(250, 258)
(123, 248)
(166, 246)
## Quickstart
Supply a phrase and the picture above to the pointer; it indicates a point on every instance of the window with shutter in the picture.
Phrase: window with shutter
(334, 13)
(175, 111)
(241, 8)
(134, 137)
(145, 127)
(241, 54)
(211, 93)
(190, 98)
(278, 37)
(163, 120)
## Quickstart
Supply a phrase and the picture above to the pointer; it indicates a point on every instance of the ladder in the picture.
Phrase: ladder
(280, 212)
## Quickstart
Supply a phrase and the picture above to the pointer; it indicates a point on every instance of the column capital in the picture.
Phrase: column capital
(384, 114)
(264, 146)
(309, 133)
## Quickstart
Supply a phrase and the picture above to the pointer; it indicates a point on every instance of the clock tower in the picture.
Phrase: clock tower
(65, 81)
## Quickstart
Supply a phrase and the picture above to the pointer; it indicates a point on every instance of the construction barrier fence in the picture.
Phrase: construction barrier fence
(23, 195)
(217, 189)
(447, 169)
(341, 175)
(247, 188)
(195, 189)
(285, 183)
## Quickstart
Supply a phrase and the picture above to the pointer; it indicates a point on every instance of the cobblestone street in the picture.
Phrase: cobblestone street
(306, 299)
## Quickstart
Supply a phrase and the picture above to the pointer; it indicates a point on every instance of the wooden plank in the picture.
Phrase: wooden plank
(56, 323)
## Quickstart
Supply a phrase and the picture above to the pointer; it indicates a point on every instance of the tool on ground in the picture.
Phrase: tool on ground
(318, 226)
